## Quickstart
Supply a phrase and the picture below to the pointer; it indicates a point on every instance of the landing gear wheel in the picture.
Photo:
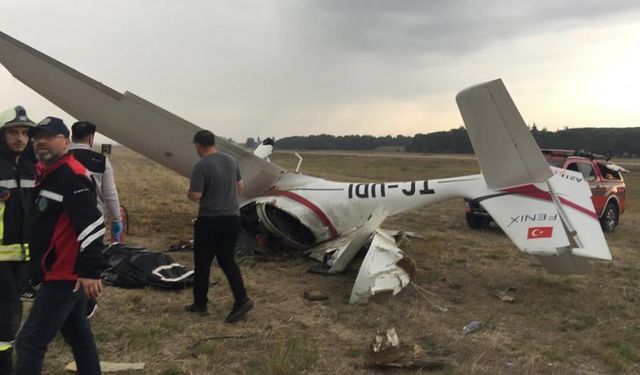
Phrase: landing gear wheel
(477, 221)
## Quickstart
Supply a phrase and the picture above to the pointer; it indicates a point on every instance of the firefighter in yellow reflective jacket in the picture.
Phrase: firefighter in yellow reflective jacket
(17, 179)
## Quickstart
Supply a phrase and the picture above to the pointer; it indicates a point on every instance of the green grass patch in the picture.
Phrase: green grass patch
(288, 357)
(618, 355)
(579, 323)
(623, 349)
(172, 371)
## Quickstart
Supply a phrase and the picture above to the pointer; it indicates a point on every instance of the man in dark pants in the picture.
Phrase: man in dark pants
(215, 182)
(17, 178)
(66, 254)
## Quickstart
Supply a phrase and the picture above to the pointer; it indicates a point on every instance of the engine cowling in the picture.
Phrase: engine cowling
(286, 219)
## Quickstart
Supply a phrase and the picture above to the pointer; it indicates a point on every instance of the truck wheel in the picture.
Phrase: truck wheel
(609, 218)
(476, 221)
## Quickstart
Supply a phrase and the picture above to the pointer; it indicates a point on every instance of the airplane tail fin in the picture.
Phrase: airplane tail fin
(507, 153)
(545, 212)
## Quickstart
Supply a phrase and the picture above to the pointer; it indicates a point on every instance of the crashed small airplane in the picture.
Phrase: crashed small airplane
(334, 220)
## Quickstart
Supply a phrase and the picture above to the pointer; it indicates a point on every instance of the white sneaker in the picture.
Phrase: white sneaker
(92, 308)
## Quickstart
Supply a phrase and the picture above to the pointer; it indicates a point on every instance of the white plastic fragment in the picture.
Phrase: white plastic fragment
(379, 271)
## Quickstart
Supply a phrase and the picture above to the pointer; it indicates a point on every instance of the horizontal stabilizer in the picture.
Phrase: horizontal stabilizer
(533, 224)
(555, 221)
(507, 153)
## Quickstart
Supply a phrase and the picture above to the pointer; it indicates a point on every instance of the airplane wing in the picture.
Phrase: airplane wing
(126, 118)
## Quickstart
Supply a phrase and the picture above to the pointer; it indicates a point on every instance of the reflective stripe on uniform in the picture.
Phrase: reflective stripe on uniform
(14, 252)
(24, 183)
(91, 238)
(90, 228)
(9, 184)
(51, 195)
(5, 345)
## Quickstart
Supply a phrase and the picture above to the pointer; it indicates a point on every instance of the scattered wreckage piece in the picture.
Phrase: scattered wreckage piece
(385, 340)
(185, 245)
(379, 271)
(342, 257)
(504, 295)
(386, 351)
(384, 268)
(337, 254)
(473, 326)
(424, 292)
(315, 295)
(109, 367)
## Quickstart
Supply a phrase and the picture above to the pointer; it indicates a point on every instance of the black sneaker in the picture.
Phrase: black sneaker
(92, 308)
(200, 310)
(29, 294)
(239, 311)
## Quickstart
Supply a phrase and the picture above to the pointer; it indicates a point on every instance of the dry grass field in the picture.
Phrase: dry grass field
(555, 325)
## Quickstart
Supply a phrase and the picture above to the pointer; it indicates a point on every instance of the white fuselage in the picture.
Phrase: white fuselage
(329, 208)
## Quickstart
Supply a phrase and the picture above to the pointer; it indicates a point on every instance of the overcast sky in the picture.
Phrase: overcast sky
(295, 67)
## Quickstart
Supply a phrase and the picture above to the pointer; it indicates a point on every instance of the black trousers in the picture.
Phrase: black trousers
(216, 237)
(57, 309)
(13, 276)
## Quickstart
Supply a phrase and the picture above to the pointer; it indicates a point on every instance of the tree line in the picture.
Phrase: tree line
(617, 141)
(342, 142)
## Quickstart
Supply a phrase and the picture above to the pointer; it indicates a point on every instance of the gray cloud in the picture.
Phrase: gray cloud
(294, 66)
(443, 27)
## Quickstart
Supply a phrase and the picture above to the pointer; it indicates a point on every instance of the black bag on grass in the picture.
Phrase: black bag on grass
(134, 267)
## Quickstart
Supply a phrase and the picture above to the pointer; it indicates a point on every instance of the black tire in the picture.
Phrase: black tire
(476, 221)
(609, 218)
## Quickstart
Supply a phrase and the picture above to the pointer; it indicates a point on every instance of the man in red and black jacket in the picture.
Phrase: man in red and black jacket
(66, 254)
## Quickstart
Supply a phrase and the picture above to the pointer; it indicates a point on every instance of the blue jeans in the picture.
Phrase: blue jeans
(57, 308)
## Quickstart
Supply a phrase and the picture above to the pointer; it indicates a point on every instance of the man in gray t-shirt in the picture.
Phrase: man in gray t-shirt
(215, 182)
(216, 176)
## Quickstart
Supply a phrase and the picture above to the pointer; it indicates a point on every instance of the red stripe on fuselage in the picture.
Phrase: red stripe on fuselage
(534, 192)
(304, 201)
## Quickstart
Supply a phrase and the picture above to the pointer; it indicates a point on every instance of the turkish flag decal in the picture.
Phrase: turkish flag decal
(539, 232)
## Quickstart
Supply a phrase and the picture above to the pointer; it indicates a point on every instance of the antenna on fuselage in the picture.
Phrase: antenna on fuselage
(299, 162)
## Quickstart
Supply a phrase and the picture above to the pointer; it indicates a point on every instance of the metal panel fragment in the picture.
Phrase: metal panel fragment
(379, 271)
